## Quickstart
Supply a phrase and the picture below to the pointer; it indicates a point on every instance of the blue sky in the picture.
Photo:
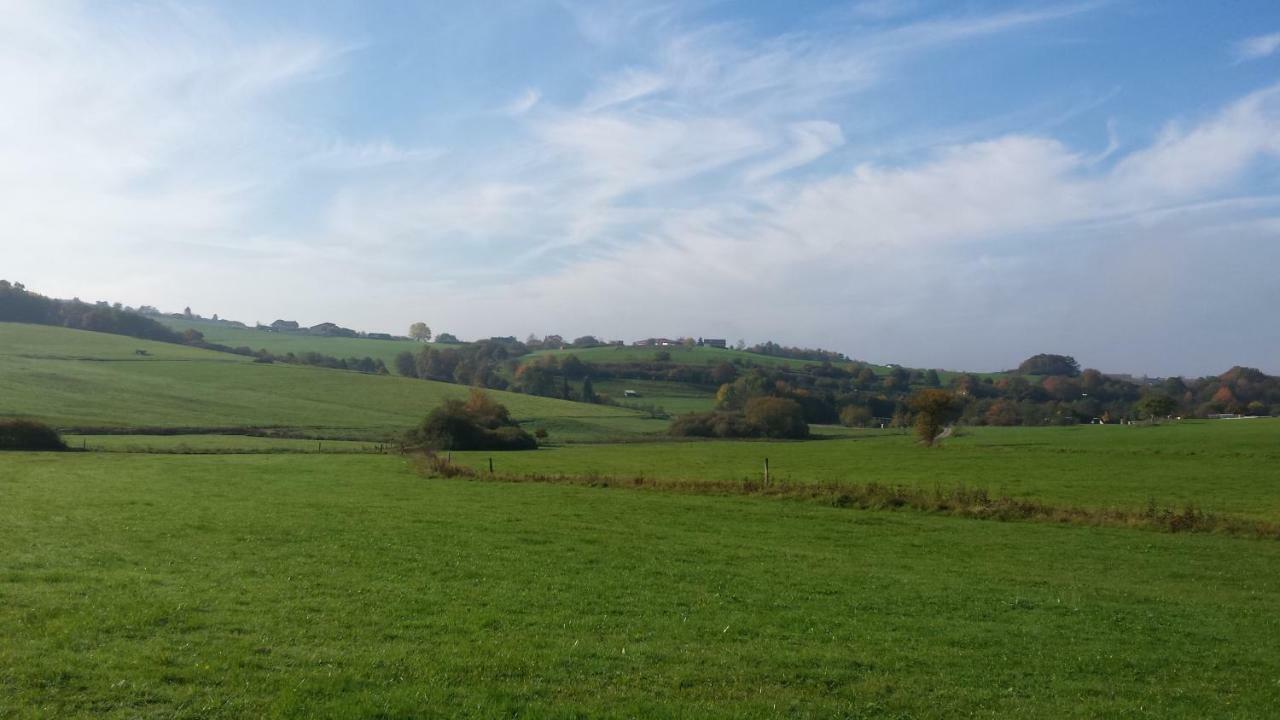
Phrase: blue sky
(939, 184)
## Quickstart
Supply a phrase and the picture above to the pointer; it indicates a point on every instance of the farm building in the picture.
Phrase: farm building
(284, 325)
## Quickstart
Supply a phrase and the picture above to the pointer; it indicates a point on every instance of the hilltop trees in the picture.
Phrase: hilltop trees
(1046, 364)
(420, 332)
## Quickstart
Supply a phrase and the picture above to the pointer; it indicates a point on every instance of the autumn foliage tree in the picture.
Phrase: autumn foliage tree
(932, 408)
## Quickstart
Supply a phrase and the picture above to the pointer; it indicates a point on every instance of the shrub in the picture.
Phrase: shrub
(776, 417)
(480, 423)
(765, 417)
(856, 416)
(29, 435)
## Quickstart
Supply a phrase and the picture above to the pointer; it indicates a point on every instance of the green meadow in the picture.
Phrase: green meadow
(1221, 466)
(78, 379)
(349, 586)
(280, 343)
(237, 539)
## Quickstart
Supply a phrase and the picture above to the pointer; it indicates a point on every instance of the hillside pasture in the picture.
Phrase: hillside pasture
(281, 343)
(80, 379)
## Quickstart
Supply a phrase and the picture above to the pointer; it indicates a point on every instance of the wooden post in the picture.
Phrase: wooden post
(490, 466)
(766, 471)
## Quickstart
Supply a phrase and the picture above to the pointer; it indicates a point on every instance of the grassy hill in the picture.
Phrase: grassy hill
(75, 378)
(279, 343)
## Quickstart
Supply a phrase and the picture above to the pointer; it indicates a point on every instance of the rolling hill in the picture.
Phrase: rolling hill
(81, 379)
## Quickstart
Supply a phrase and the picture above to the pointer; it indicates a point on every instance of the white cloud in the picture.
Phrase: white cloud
(1257, 47)
(709, 184)
(523, 103)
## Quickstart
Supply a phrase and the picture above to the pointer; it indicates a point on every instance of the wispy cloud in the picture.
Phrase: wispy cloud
(523, 103)
(708, 177)
(1257, 47)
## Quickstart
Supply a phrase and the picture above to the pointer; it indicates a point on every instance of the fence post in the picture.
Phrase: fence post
(490, 466)
(766, 471)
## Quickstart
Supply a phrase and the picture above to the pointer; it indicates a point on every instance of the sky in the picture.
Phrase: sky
(949, 184)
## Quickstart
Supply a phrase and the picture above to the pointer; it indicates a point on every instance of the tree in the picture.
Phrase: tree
(1156, 405)
(1046, 364)
(777, 417)
(405, 364)
(724, 373)
(932, 408)
(186, 311)
(447, 339)
(855, 416)
(931, 378)
(480, 423)
(588, 390)
(420, 332)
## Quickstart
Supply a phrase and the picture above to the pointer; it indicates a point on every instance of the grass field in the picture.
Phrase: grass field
(347, 586)
(218, 444)
(676, 398)
(73, 378)
(279, 343)
(1222, 466)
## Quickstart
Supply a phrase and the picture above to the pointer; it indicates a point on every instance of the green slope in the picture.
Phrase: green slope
(279, 343)
(74, 378)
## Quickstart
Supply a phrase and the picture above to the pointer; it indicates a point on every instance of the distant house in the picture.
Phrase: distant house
(630, 393)
(656, 342)
(715, 343)
(284, 325)
(329, 329)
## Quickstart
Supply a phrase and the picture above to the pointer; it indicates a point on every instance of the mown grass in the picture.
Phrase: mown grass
(1225, 467)
(347, 586)
(79, 379)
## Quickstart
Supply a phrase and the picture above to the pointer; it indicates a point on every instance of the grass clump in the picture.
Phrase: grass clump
(23, 434)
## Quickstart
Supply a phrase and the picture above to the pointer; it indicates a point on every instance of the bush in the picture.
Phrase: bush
(29, 435)
(856, 416)
(480, 423)
(776, 417)
(765, 417)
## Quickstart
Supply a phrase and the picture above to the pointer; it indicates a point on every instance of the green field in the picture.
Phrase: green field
(347, 586)
(673, 397)
(220, 444)
(1221, 466)
(280, 343)
(73, 378)
(217, 574)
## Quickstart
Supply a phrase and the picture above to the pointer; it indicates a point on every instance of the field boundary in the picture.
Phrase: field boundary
(958, 501)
